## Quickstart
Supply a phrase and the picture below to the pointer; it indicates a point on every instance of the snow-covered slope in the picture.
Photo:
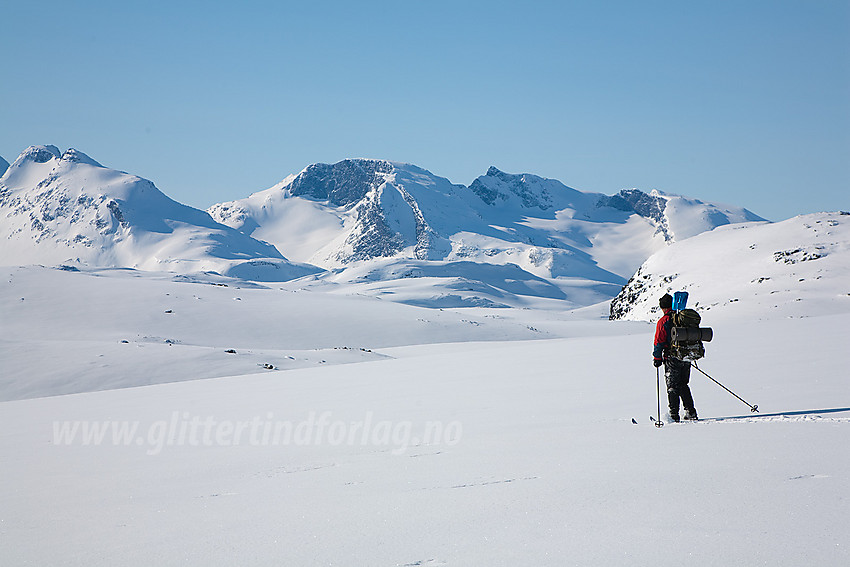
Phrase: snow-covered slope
(65, 208)
(459, 283)
(798, 267)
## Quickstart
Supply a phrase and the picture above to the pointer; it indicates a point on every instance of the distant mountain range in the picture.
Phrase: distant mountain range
(358, 219)
(333, 215)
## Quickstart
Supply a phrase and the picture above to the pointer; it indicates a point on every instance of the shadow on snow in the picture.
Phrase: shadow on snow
(779, 414)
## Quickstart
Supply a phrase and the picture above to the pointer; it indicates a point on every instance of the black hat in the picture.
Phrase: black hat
(666, 301)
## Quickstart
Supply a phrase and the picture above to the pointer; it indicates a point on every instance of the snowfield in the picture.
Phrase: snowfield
(465, 437)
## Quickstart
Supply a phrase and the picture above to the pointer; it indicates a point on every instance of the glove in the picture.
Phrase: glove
(656, 362)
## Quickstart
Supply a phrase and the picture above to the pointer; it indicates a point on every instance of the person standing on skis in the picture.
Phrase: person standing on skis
(677, 373)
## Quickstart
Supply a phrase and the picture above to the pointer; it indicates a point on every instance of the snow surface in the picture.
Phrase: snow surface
(536, 462)
(65, 331)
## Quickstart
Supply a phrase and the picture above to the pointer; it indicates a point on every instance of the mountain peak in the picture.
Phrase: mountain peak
(634, 200)
(76, 156)
(343, 183)
(498, 187)
(38, 154)
(38, 163)
(45, 154)
(494, 171)
(32, 166)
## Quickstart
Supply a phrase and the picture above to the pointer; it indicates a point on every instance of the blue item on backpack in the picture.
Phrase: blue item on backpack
(680, 300)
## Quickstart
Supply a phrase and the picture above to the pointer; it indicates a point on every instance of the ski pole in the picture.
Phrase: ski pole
(753, 408)
(658, 422)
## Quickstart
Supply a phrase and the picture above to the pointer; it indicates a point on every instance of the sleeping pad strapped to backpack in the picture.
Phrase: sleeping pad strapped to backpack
(686, 336)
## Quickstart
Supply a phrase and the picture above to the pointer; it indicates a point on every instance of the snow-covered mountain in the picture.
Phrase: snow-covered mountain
(335, 215)
(65, 208)
(801, 265)
(332, 215)
(504, 235)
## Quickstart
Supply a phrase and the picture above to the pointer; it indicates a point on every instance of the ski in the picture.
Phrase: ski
(660, 423)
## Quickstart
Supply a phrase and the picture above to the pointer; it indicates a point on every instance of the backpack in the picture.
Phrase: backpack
(686, 336)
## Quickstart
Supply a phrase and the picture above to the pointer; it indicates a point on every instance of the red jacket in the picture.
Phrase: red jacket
(662, 336)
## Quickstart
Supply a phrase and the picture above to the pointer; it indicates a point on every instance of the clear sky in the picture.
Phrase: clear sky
(742, 102)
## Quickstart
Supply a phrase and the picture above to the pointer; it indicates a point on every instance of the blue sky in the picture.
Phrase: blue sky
(744, 102)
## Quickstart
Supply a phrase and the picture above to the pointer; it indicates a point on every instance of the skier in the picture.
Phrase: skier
(677, 373)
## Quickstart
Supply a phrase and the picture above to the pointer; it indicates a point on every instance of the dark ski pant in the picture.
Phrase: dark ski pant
(677, 373)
